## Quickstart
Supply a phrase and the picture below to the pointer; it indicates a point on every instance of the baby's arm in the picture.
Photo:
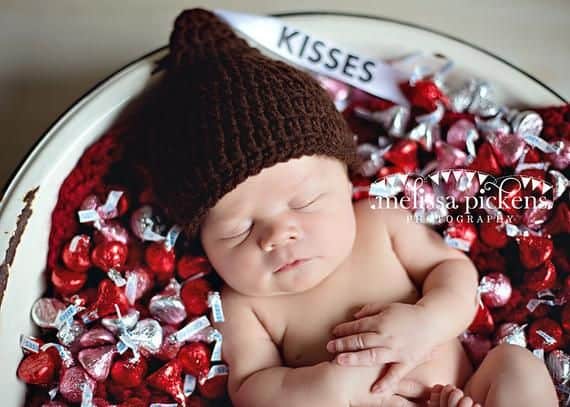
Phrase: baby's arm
(447, 277)
(257, 376)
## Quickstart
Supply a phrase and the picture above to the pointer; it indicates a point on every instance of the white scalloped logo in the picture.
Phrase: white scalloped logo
(462, 189)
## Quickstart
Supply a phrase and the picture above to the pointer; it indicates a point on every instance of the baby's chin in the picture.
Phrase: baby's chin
(302, 278)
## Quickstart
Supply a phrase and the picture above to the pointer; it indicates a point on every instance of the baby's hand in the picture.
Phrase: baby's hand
(396, 333)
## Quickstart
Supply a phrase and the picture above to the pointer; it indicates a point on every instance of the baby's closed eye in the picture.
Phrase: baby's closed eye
(238, 234)
(309, 202)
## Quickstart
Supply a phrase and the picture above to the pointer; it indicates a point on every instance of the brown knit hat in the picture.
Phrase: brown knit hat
(224, 111)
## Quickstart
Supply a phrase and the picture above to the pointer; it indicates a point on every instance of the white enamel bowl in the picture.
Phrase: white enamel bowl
(59, 149)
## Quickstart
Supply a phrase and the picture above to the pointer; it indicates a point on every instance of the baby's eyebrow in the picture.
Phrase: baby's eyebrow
(304, 179)
(307, 179)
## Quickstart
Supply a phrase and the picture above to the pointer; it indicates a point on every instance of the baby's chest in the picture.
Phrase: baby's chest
(310, 321)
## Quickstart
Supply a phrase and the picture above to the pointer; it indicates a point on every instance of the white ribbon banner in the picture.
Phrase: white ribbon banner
(319, 55)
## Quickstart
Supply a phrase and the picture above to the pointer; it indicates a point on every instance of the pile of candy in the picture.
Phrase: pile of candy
(500, 177)
(124, 320)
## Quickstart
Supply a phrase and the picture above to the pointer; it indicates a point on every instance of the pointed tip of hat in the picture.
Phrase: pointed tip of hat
(196, 16)
(199, 32)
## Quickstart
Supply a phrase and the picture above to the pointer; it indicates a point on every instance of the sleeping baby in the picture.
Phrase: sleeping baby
(328, 302)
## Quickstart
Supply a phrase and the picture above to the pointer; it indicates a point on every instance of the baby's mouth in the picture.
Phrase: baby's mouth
(291, 265)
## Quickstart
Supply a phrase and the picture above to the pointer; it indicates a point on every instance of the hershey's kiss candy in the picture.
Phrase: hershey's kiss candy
(371, 159)
(71, 383)
(477, 346)
(427, 132)
(508, 148)
(39, 368)
(167, 306)
(96, 337)
(495, 289)
(527, 122)
(139, 282)
(129, 371)
(463, 134)
(147, 334)
(114, 231)
(448, 156)
(535, 216)
(462, 97)
(76, 253)
(170, 346)
(146, 225)
(512, 333)
(70, 333)
(45, 311)
(118, 324)
(483, 103)
(544, 333)
(558, 363)
(97, 361)
(168, 379)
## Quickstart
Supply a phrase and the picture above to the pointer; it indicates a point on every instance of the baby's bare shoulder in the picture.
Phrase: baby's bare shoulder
(238, 307)
(374, 219)
(238, 311)
(245, 310)
(264, 312)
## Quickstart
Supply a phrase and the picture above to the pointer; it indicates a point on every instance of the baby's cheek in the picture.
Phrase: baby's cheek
(222, 261)
(318, 225)
(241, 269)
(334, 232)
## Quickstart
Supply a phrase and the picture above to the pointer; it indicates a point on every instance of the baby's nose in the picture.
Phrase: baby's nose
(278, 236)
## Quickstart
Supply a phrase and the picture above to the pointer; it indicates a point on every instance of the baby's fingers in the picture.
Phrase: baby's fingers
(369, 309)
(366, 324)
(395, 373)
(356, 342)
(368, 357)
(413, 389)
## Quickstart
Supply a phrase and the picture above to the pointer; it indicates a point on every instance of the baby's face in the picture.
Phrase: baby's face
(299, 209)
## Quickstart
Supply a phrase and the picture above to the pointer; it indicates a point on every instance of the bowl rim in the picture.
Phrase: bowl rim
(15, 174)
(19, 172)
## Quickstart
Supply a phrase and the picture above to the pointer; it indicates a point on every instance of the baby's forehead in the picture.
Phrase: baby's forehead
(281, 180)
